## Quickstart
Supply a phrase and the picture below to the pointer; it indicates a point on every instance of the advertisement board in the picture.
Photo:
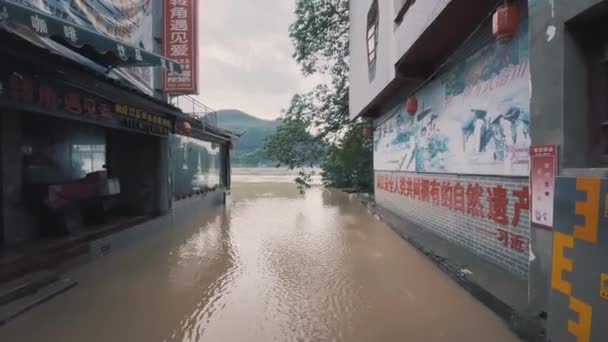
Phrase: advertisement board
(473, 119)
(180, 44)
(61, 99)
(128, 21)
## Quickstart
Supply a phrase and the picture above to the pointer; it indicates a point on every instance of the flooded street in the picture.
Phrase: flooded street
(275, 266)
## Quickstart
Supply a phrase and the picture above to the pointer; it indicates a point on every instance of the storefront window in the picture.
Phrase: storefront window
(88, 158)
(196, 164)
(57, 151)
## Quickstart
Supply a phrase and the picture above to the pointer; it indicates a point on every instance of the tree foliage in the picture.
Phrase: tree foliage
(316, 126)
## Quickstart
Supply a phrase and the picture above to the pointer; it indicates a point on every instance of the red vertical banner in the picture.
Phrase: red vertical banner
(543, 170)
(180, 42)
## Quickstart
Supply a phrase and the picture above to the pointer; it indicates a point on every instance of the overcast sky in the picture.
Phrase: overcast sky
(245, 56)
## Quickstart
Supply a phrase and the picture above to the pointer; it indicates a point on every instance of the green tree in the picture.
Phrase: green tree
(316, 126)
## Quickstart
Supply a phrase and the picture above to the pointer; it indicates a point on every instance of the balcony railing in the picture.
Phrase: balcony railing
(196, 109)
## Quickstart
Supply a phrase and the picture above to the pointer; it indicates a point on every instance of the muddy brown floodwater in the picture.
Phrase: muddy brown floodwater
(276, 266)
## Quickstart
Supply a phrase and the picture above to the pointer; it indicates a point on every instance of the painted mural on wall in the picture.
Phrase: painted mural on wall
(473, 119)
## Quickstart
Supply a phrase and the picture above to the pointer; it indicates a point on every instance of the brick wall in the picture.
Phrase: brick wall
(476, 212)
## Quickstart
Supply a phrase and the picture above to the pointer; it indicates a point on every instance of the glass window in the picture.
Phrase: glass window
(88, 158)
(60, 151)
(197, 164)
(372, 32)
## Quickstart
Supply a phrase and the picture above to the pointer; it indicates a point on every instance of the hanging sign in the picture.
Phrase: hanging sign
(180, 44)
(543, 169)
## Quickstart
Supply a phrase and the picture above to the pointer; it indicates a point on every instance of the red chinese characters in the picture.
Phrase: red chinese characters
(447, 195)
(48, 97)
(467, 198)
(459, 199)
(425, 190)
(503, 237)
(497, 200)
(21, 88)
(402, 185)
(180, 35)
(474, 197)
(416, 188)
(105, 111)
(409, 187)
(395, 184)
(435, 192)
(523, 203)
(389, 184)
(55, 96)
(71, 103)
(515, 241)
(89, 107)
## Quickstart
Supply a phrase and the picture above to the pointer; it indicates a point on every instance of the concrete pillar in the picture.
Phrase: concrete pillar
(558, 112)
(1, 182)
(18, 224)
(164, 191)
(157, 29)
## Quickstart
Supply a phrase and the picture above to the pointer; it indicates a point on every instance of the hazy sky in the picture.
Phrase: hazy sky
(245, 56)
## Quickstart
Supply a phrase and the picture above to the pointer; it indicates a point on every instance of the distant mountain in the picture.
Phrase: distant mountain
(248, 150)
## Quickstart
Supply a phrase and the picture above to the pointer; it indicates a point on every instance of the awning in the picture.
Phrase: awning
(55, 48)
(112, 52)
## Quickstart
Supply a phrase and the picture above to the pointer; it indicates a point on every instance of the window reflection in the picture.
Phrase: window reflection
(88, 158)
(196, 165)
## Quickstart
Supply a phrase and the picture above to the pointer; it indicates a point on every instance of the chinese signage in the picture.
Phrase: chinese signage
(543, 168)
(143, 121)
(63, 100)
(180, 44)
(128, 21)
(578, 301)
(467, 198)
(475, 119)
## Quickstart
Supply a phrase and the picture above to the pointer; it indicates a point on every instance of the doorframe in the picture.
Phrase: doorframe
(2, 241)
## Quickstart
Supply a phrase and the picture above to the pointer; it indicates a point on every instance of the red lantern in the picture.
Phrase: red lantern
(230, 145)
(184, 127)
(505, 22)
(411, 106)
(367, 132)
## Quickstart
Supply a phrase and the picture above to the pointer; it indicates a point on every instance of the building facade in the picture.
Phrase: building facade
(88, 140)
(465, 108)
(451, 121)
(569, 274)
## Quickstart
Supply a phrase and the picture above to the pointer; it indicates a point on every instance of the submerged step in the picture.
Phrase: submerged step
(41, 295)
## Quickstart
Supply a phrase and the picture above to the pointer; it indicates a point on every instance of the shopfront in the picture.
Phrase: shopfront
(199, 160)
(77, 153)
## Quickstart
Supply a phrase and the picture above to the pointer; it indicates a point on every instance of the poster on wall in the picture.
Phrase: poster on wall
(128, 21)
(180, 44)
(543, 170)
(473, 119)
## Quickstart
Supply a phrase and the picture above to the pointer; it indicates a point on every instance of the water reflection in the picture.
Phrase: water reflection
(278, 266)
